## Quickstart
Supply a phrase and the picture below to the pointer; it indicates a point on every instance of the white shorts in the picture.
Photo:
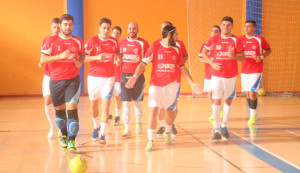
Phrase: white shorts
(117, 89)
(223, 88)
(164, 97)
(207, 85)
(250, 82)
(100, 87)
(46, 87)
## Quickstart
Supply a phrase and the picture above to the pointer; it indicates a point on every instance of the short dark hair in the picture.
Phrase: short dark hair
(118, 28)
(168, 22)
(55, 20)
(104, 20)
(217, 26)
(168, 29)
(227, 18)
(66, 17)
(251, 21)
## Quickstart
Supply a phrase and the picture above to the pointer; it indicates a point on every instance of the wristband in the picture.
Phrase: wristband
(262, 57)
(134, 76)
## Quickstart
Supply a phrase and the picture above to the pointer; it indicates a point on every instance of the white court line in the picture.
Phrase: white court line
(275, 155)
(294, 133)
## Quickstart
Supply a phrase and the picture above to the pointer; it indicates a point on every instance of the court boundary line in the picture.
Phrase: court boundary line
(240, 169)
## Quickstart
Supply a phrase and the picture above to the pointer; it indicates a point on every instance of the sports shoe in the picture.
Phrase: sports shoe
(174, 130)
(102, 139)
(117, 121)
(51, 133)
(64, 142)
(160, 131)
(150, 146)
(252, 120)
(168, 138)
(138, 128)
(210, 118)
(126, 132)
(224, 132)
(216, 137)
(110, 117)
(95, 134)
(71, 146)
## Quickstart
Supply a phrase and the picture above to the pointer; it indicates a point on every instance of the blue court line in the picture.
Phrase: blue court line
(264, 155)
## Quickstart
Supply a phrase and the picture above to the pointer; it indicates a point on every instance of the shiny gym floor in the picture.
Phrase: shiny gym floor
(273, 145)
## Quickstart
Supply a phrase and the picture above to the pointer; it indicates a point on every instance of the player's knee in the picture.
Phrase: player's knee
(60, 123)
(74, 127)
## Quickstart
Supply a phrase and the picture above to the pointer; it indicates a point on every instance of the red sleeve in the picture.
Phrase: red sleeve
(117, 47)
(239, 46)
(146, 45)
(88, 47)
(183, 49)
(265, 45)
(149, 55)
(180, 59)
(81, 51)
(209, 43)
(47, 46)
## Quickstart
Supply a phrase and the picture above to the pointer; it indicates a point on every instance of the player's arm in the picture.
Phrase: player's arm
(239, 56)
(80, 61)
(118, 58)
(44, 59)
(100, 57)
(185, 58)
(215, 66)
(138, 71)
(186, 74)
(265, 54)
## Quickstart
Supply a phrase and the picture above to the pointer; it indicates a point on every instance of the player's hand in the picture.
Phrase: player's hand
(65, 54)
(40, 65)
(231, 53)
(216, 66)
(257, 58)
(118, 62)
(101, 56)
(77, 64)
(130, 83)
(196, 88)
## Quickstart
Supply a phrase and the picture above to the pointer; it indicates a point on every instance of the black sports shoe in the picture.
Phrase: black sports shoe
(110, 117)
(224, 132)
(160, 131)
(174, 130)
(217, 136)
(117, 121)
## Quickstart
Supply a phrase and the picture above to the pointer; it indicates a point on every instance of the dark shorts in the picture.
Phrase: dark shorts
(135, 93)
(63, 91)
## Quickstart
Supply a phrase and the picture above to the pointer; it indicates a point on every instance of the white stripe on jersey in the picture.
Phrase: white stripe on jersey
(77, 41)
(260, 46)
(114, 41)
(176, 49)
(142, 45)
(234, 39)
(148, 60)
(88, 51)
(177, 44)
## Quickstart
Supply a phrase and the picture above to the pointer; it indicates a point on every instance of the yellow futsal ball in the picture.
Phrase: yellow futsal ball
(261, 92)
(78, 165)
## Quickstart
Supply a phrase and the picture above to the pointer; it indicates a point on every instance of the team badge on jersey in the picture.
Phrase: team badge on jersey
(135, 51)
(218, 47)
(253, 47)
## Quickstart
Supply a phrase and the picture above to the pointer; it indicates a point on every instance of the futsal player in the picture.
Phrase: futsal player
(65, 54)
(164, 87)
(116, 33)
(216, 30)
(132, 49)
(225, 49)
(256, 50)
(100, 51)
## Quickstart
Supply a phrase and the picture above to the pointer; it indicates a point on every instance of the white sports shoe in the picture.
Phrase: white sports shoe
(51, 133)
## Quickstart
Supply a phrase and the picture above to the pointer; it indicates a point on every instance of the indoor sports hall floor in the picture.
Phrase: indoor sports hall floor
(272, 146)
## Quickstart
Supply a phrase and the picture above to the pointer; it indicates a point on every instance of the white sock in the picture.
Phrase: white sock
(102, 129)
(252, 112)
(150, 134)
(168, 128)
(127, 126)
(49, 110)
(138, 110)
(226, 113)
(117, 112)
(216, 112)
(126, 113)
(95, 122)
(162, 123)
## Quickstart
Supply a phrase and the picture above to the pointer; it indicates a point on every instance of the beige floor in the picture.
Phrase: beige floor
(272, 146)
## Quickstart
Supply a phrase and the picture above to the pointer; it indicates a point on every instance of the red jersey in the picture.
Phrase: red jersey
(165, 61)
(132, 50)
(253, 46)
(218, 47)
(63, 69)
(118, 72)
(46, 72)
(96, 46)
(207, 67)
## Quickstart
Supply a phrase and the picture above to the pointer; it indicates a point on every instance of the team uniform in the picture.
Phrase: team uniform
(207, 71)
(101, 75)
(65, 83)
(252, 70)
